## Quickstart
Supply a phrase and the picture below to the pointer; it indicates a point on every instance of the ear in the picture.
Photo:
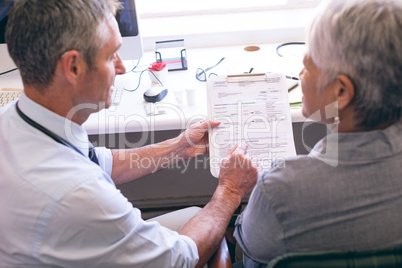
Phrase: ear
(345, 91)
(72, 66)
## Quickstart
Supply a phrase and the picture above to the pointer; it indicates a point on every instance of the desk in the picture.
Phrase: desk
(127, 125)
(130, 115)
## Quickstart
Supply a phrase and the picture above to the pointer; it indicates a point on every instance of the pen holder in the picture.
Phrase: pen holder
(161, 75)
(158, 72)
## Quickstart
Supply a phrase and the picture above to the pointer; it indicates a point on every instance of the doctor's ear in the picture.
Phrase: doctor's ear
(345, 91)
(72, 65)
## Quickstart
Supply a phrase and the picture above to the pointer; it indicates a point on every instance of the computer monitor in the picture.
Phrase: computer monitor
(6, 63)
(127, 19)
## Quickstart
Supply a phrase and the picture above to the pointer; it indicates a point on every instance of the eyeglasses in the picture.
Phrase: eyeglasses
(201, 74)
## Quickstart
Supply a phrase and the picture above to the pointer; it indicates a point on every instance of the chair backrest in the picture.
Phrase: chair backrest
(383, 258)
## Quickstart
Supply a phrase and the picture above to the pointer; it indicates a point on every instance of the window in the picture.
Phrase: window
(150, 8)
(223, 22)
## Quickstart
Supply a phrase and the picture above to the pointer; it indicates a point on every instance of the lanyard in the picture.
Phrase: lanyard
(56, 137)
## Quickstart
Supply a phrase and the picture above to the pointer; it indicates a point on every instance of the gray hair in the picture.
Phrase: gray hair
(362, 39)
(39, 32)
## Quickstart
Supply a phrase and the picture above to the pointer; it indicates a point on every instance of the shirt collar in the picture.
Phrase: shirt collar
(360, 146)
(63, 127)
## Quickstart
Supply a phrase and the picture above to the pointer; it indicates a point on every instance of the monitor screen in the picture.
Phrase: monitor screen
(127, 19)
(4, 8)
(3, 23)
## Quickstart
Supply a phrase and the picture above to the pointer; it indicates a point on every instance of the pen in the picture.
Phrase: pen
(292, 77)
(293, 87)
(296, 104)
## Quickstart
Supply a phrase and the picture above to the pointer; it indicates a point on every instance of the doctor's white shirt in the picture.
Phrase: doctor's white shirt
(59, 209)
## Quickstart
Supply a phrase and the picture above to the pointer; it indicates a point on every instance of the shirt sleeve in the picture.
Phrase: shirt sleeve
(105, 159)
(258, 231)
(96, 226)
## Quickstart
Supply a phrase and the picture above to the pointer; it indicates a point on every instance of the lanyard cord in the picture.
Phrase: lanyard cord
(49, 133)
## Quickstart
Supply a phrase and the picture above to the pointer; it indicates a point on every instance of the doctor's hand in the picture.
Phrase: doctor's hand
(238, 174)
(194, 140)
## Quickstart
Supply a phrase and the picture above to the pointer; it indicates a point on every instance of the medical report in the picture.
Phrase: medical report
(254, 110)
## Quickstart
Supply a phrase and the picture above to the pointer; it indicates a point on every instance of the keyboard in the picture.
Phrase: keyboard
(8, 96)
(116, 95)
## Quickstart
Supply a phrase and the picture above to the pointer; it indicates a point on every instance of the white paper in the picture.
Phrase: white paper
(253, 110)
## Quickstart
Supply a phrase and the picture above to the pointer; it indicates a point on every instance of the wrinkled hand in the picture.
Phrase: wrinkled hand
(237, 172)
(194, 140)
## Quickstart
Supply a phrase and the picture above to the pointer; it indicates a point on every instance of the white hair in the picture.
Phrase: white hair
(362, 39)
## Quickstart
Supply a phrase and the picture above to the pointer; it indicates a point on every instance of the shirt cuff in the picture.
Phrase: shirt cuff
(193, 247)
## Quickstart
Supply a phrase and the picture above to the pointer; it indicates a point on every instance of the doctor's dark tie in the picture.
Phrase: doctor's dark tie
(92, 154)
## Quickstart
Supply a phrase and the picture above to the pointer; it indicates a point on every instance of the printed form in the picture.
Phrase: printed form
(254, 110)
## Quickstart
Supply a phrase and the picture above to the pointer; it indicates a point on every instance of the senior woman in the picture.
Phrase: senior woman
(347, 193)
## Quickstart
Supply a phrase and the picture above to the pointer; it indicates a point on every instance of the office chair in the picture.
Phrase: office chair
(221, 258)
(383, 258)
